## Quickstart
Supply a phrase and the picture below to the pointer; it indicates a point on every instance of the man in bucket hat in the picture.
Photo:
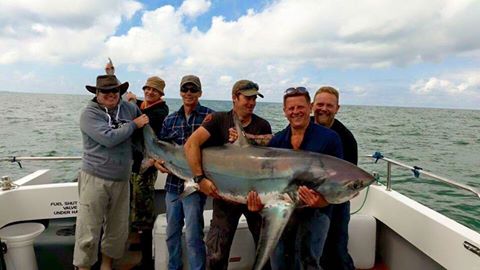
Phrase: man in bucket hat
(107, 124)
(142, 196)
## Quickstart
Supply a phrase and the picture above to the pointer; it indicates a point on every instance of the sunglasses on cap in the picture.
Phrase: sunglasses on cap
(248, 86)
(108, 91)
(296, 90)
(192, 88)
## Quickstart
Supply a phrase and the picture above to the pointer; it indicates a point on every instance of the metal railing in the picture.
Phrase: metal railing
(18, 160)
(377, 156)
(417, 171)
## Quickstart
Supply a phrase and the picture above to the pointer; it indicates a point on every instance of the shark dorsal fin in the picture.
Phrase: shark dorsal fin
(242, 140)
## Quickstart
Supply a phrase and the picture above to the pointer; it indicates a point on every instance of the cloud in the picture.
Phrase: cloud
(461, 89)
(466, 82)
(57, 31)
(157, 40)
(284, 43)
(299, 33)
(296, 31)
(433, 84)
(194, 8)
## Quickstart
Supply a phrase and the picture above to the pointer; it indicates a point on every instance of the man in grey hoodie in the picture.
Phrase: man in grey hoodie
(107, 124)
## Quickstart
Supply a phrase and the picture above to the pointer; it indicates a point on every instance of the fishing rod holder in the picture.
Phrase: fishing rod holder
(7, 184)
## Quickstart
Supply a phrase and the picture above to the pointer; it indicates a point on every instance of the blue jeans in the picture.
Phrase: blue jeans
(302, 240)
(335, 254)
(188, 211)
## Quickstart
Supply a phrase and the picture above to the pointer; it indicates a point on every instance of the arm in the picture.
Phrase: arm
(97, 128)
(131, 97)
(193, 154)
(262, 139)
(350, 150)
(193, 151)
(264, 136)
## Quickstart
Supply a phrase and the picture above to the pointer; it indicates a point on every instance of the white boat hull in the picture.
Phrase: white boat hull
(409, 235)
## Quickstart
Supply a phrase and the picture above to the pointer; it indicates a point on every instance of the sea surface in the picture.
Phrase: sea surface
(443, 141)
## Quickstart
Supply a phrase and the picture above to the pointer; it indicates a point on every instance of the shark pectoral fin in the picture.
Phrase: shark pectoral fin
(189, 188)
(275, 217)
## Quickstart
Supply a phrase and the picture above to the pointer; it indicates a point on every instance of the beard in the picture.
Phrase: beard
(324, 120)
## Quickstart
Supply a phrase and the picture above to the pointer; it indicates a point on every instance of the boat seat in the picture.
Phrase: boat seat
(361, 245)
(54, 247)
(362, 240)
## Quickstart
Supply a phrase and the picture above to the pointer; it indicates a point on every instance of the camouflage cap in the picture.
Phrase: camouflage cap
(246, 88)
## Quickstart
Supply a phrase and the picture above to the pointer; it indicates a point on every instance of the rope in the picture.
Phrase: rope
(377, 178)
(363, 203)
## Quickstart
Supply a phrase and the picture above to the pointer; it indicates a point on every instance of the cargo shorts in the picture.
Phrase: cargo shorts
(102, 203)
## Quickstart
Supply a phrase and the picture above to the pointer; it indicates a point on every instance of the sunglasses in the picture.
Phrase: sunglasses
(108, 91)
(248, 86)
(296, 90)
(192, 89)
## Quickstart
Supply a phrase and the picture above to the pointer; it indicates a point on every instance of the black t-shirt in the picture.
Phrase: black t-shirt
(350, 151)
(218, 123)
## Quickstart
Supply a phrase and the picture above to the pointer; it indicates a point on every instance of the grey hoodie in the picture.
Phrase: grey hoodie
(107, 144)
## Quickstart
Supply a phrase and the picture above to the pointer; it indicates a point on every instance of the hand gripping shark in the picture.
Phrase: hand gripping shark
(275, 174)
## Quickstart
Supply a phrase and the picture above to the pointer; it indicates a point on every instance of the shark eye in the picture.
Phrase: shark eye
(355, 185)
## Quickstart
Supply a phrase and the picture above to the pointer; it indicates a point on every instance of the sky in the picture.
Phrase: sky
(406, 53)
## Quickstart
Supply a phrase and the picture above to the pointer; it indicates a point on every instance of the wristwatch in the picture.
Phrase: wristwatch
(198, 178)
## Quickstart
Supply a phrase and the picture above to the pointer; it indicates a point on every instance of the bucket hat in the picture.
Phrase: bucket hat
(156, 83)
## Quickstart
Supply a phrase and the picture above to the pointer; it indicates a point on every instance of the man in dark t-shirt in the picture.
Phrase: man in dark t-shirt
(218, 129)
(335, 254)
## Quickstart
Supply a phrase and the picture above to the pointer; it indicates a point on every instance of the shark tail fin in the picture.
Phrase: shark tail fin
(275, 217)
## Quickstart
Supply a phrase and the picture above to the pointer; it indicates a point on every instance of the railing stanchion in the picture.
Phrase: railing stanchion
(389, 176)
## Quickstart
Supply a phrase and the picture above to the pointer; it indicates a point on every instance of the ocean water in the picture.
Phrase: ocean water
(443, 141)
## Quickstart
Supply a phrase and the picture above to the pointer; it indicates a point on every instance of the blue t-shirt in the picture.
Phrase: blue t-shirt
(316, 139)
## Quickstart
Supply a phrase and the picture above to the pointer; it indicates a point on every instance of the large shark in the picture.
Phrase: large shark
(275, 174)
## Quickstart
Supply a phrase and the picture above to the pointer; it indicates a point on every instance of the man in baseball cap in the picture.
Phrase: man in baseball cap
(246, 88)
(218, 129)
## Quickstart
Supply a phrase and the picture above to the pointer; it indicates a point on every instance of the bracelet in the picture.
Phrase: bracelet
(198, 178)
